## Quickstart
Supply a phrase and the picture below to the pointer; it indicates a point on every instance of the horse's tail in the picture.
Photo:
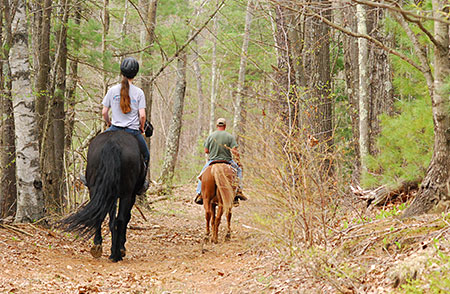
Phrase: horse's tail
(104, 192)
(223, 179)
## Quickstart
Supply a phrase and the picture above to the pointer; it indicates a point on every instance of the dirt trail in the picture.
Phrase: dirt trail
(164, 255)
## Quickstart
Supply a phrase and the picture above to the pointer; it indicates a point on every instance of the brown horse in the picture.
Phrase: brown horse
(217, 191)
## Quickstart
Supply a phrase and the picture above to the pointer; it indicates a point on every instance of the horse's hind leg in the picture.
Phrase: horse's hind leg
(113, 229)
(120, 225)
(216, 224)
(125, 211)
(96, 249)
(228, 235)
(208, 214)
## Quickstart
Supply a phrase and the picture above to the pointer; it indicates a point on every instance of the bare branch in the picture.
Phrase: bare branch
(400, 10)
(357, 35)
(420, 25)
(192, 37)
(149, 31)
(420, 51)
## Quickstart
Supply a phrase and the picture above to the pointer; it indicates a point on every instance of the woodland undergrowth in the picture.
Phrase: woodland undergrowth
(321, 228)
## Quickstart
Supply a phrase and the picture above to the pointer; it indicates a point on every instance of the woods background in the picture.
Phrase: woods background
(322, 95)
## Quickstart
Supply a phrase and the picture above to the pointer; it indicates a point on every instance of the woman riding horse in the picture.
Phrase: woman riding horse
(117, 165)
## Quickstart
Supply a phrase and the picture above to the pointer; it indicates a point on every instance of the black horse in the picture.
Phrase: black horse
(115, 170)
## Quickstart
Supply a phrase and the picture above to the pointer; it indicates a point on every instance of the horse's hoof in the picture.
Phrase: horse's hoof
(228, 237)
(96, 251)
(123, 252)
(115, 259)
(215, 241)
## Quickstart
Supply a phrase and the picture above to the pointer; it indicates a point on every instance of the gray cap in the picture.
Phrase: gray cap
(221, 122)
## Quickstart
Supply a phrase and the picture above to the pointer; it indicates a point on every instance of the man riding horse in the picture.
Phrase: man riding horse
(222, 146)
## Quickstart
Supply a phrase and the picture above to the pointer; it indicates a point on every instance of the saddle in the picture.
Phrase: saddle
(219, 161)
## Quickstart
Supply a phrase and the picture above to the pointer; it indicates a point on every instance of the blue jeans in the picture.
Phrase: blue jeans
(137, 134)
(233, 164)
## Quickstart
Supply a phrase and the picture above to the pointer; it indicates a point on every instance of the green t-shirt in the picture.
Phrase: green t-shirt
(219, 144)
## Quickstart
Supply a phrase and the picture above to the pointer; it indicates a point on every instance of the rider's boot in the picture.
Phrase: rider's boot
(146, 184)
(239, 196)
(198, 199)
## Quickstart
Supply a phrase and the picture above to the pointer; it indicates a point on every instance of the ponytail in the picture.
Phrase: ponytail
(125, 96)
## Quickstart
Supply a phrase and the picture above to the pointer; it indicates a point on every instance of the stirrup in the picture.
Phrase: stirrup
(240, 196)
(198, 199)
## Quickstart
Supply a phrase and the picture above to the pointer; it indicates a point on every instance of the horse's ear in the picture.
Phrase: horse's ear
(148, 129)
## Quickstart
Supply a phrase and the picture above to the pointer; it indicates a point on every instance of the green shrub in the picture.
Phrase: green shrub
(405, 146)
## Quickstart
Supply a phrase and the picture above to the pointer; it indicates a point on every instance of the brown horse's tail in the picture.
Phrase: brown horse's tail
(223, 176)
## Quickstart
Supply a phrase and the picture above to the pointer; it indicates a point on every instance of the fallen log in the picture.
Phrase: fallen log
(383, 194)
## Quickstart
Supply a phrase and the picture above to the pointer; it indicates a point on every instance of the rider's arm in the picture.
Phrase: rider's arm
(105, 115)
(142, 119)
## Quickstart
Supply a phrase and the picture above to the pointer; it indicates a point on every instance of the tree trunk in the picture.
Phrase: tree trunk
(123, 28)
(201, 99)
(30, 202)
(72, 85)
(379, 93)
(147, 39)
(214, 80)
(381, 90)
(56, 200)
(173, 139)
(363, 87)
(8, 189)
(42, 52)
(239, 102)
(105, 22)
(315, 115)
(351, 71)
(71, 101)
(284, 75)
(201, 122)
(435, 186)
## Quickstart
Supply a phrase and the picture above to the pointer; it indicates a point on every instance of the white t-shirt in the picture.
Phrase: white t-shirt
(137, 101)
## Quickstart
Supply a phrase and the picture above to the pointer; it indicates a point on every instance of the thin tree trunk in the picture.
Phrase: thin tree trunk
(214, 83)
(201, 122)
(284, 75)
(364, 141)
(105, 22)
(201, 99)
(147, 39)
(71, 102)
(379, 90)
(72, 85)
(238, 128)
(173, 139)
(123, 28)
(351, 71)
(8, 189)
(30, 202)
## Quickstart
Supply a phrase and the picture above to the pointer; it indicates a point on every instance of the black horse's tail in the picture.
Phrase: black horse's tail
(103, 192)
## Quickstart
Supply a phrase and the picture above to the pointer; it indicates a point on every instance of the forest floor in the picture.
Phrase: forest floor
(166, 254)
